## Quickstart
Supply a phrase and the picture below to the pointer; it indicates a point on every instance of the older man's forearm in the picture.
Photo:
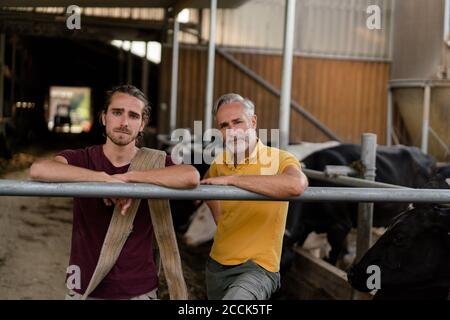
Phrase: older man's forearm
(277, 186)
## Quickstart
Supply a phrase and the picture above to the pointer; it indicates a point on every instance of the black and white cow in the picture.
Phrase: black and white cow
(400, 165)
(183, 211)
(413, 255)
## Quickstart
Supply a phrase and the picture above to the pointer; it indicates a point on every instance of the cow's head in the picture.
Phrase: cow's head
(202, 227)
(413, 252)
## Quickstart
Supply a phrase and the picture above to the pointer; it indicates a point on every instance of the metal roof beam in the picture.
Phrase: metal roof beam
(177, 4)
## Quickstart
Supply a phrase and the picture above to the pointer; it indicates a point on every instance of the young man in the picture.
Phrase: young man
(134, 275)
(245, 256)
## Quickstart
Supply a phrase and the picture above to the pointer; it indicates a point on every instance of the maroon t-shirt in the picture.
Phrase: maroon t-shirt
(134, 272)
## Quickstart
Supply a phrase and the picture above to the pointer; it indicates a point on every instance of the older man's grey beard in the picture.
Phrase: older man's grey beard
(239, 144)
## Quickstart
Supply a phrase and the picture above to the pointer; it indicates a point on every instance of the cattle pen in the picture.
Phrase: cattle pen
(325, 276)
(311, 272)
(310, 277)
(316, 277)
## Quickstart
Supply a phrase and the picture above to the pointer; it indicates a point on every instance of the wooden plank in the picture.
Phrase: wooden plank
(347, 96)
(320, 275)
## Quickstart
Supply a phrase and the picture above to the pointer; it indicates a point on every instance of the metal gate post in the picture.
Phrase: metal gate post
(365, 210)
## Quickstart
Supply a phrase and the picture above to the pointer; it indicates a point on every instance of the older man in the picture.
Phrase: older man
(245, 257)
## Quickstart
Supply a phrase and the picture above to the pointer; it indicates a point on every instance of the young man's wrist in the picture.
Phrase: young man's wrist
(137, 177)
(103, 176)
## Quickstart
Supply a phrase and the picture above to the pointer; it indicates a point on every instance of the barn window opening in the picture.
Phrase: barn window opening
(69, 109)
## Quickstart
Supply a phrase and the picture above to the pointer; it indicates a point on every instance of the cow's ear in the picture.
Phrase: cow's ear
(423, 206)
(444, 217)
(438, 219)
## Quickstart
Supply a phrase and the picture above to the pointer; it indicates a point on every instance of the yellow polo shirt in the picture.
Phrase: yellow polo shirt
(251, 230)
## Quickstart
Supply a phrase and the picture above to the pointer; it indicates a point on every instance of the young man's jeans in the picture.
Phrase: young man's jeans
(246, 281)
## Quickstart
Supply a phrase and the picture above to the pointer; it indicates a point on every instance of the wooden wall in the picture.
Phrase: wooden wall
(348, 96)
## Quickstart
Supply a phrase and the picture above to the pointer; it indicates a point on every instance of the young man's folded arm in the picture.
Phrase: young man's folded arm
(58, 170)
(178, 176)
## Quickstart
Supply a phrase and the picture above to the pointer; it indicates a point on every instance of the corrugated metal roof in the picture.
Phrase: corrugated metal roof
(324, 28)
(334, 28)
(122, 13)
(122, 3)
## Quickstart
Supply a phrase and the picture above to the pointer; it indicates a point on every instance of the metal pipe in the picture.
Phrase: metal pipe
(121, 58)
(446, 22)
(417, 83)
(148, 191)
(174, 77)
(210, 68)
(348, 181)
(144, 74)
(365, 210)
(286, 75)
(2, 65)
(426, 118)
(390, 116)
(130, 65)
(13, 74)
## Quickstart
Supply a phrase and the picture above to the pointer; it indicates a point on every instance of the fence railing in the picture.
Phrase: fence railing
(207, 192)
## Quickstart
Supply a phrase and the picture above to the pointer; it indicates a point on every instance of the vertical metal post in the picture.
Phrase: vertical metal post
(2, 65)
(426, 117)
(144, 75)
(200, 26)
(130, 65)
(174, 77)
(286, 77)
(210, 68)
(390, 115)
(121, 58)
(13, 74)
(365, 210)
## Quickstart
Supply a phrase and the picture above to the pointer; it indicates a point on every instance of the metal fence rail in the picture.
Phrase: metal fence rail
(349, 181)
(203, 192)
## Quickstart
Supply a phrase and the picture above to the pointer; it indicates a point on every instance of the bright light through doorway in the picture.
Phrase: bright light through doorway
(183, 16)
(138, 48)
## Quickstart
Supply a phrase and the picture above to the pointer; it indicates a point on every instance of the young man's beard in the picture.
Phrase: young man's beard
(121, 142)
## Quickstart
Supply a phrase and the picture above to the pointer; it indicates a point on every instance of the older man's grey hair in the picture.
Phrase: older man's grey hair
(249, 107)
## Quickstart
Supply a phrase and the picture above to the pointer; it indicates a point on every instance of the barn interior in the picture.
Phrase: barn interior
(317, 70)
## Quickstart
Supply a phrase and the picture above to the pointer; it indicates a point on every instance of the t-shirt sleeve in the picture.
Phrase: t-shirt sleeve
(169, 161)
(74, 157)
(288, 159)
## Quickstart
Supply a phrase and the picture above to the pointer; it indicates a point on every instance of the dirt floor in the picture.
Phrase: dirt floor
(35, 244)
